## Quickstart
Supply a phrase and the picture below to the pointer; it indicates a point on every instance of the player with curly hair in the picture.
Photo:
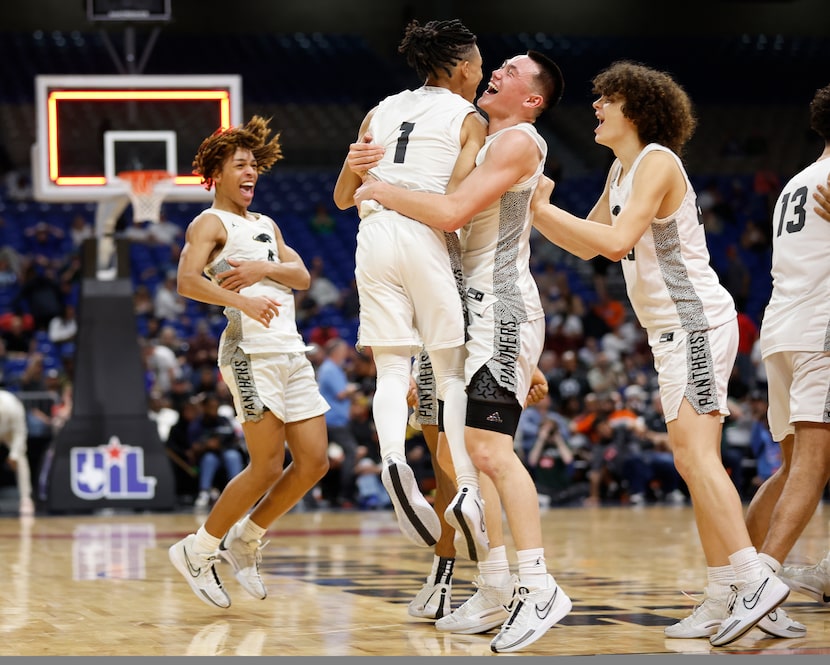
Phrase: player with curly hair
(647, 218)
(252, 273)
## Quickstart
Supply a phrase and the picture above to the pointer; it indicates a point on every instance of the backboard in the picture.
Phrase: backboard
(89, 128)
(128, 10)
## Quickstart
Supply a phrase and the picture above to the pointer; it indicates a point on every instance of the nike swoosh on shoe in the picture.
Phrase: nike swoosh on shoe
(752, 601)
(544, 610)
(194, 572)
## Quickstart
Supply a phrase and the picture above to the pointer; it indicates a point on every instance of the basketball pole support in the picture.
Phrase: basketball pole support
(109, 454)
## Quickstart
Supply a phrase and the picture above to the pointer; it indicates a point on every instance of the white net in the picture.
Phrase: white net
(147, 190)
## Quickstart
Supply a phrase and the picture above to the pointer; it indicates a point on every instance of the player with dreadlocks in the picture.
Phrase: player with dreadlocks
(406, 279)
(262, 359)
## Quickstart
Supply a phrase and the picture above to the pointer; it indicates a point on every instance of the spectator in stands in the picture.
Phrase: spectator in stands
(628, 467)
(550, 460)
(754, 238)
(161, 366)
(364, 373)
(168, 305)
(206, 379)
(184, 457)
(40, 294)
(735, 276)
(628, 336)
(564, 329)
(748, 334)
(202, 347)
(33, 378)
(165, 233)
(570, 380)
(217, 446)
(10, 263)
(605, 375)
(369, 490)
(530, 420)
(610, 310)
(143, 301)
(601, 454)
(339, 391)
(666, 481)
(18, 335)
(79, 230)
(63, 329)
(765, 450)
(322, 222)
(45, 244)
(181, 391)
(322, 291)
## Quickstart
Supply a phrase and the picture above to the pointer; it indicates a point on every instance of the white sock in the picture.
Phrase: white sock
(720, 579)
(204, 542)
(495, 570)
(533, 572)
(251, 530)
(746, 564)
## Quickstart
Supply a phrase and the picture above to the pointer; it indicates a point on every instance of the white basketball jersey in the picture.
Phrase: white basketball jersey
(420, 130)
(797, 317)
(668, 277)
(495, 244)
(254, 240)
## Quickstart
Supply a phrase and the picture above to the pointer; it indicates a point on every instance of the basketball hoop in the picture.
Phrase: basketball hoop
(147, 190)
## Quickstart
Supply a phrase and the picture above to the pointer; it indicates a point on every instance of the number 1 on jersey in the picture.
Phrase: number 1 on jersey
(403, 141)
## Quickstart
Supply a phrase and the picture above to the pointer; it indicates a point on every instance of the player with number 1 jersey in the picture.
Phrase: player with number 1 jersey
(404, 277)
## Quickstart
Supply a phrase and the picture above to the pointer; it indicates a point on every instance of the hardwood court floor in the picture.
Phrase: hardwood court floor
(339, 584)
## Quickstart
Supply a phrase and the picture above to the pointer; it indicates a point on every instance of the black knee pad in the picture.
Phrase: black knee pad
(490, 406)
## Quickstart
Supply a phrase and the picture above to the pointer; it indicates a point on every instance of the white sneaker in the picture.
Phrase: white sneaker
(676, 497)
(202, 501)
(749, 603)
(465, 514)
(534, 613)
(417, 519)
(812, 581)
(198, 569)
(486, 609)
(245, 558)
(433, 601)
(704, 620)
(779, 624)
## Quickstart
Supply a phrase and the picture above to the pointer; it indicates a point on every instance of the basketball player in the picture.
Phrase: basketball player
(13, 435)
(506, 334)
(406, 285)
(434, 600)
(647, 218)
(262, 359)
(795, 347)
